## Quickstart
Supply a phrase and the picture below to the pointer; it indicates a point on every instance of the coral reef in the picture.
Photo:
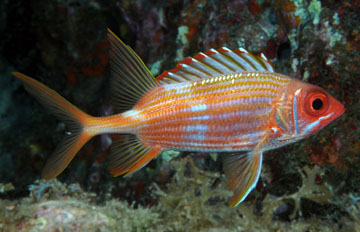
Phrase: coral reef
(194, 200)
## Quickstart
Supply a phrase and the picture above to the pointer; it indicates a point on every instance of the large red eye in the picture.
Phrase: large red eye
(316, 103)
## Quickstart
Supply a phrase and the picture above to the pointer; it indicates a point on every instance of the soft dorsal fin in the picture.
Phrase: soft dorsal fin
(131, 79)
(215, 63)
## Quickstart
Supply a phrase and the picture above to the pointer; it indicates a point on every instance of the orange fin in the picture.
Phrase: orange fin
(242, 173)
(65, 111)
(128, 155)
(130, 78)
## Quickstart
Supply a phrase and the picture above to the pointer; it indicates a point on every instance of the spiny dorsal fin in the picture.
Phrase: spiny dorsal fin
(131, 79)
(242, 174)
(215, 63)
(128, 154)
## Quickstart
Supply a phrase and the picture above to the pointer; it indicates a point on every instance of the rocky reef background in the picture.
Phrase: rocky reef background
(313, 185)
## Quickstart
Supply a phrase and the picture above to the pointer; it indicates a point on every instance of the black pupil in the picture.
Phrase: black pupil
(317, 104)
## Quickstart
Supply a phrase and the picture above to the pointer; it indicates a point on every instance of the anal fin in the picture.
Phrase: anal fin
(242, 172)
(128, 155)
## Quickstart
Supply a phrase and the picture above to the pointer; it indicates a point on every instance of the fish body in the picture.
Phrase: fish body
(218, 101)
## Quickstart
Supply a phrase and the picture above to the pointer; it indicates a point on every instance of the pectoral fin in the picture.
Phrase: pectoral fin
(242, 171)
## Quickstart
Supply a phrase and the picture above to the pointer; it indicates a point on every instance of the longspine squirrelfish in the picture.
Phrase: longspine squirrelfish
(217, 101)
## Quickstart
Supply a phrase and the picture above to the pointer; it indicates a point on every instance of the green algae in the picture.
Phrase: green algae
(194, 200)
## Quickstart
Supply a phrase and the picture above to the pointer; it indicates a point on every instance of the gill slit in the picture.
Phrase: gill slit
(295, 116)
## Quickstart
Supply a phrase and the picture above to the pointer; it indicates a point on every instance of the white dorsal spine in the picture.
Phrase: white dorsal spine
(215, 63)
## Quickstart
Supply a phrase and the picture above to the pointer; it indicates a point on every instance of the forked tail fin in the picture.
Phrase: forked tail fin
(67, 112)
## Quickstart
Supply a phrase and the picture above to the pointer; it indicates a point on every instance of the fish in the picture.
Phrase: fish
(226, 101)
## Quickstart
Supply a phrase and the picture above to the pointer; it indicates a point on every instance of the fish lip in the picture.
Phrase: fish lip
(341, 110)
(338, 108)
(337, 111)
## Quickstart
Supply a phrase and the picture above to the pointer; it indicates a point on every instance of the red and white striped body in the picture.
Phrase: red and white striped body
(224, 113)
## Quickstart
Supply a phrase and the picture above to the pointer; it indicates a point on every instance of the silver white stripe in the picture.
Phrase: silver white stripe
(314, 124)
(295, 118)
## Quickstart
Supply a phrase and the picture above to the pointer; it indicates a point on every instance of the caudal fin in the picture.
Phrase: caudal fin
(76, 119)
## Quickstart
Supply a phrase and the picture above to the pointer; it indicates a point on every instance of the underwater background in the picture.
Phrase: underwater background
(312, 185)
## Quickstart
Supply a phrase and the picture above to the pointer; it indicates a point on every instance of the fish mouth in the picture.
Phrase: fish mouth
(339, 110)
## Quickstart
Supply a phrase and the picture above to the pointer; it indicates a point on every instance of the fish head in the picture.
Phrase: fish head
(312, 108)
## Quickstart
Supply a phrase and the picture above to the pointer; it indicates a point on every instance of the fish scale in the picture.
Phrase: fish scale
(170, 129)
(217, 101)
